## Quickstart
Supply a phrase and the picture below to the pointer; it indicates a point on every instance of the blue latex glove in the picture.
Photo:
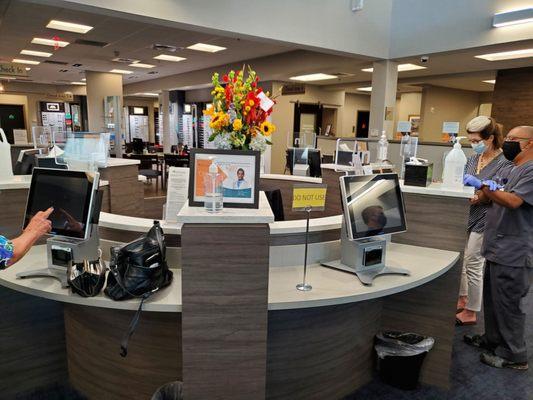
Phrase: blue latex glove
(493, 186)
(471, 180)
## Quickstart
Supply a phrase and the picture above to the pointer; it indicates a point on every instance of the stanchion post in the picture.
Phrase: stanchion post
(304, 286)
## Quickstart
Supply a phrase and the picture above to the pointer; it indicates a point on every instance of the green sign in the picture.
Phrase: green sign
(11, 116)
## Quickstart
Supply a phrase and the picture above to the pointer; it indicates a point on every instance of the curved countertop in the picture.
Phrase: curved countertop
(330, 287)
(24, 181)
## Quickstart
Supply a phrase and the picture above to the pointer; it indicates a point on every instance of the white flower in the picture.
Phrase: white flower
(222, 141)
(258, 143)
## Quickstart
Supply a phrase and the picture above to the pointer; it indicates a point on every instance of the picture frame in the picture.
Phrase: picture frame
(415, 122)
(240, 170)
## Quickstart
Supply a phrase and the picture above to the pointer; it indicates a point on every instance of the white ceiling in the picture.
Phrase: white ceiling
(21, 21)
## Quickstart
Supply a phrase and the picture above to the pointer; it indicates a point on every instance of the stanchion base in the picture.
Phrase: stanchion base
(304, 287)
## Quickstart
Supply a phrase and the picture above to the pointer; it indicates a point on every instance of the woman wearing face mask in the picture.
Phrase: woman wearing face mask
(486, 138)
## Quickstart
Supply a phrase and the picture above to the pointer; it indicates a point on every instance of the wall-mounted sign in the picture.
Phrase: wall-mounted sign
(404, 126)
(11, 69)
(450, 127)
(389, 113)
(60, 96)
(53, 107)
(293, 88)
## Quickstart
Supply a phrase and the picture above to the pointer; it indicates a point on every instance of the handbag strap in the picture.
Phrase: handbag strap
(133, 325)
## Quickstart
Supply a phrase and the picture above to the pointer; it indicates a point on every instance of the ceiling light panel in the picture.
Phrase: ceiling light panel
(507, 55)
(121, 71)
(312, 77)
(147, 94)
(22, 61)
(167, 57)
(77, 83)
(365, 89)
(208, 48)
(514, 17)
(35, 53)
(68, 26)
(491, 81)
(401, 68)
(141, 65)
(49, 42)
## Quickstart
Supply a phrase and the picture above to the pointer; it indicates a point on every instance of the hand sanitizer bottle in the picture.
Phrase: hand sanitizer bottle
(454, 166)
(383, 148)
(213, 194)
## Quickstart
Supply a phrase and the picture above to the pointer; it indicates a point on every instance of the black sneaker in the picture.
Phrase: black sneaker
(478, 341)
(498, 362)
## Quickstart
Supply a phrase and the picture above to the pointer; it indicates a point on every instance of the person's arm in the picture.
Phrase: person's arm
(38, 226)
(505, 199)
(479, 198)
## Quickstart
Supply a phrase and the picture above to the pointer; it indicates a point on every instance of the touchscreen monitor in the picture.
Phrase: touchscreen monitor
(71, 195)
(373, 205)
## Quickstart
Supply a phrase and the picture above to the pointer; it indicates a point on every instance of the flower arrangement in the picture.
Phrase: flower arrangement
(239, 114)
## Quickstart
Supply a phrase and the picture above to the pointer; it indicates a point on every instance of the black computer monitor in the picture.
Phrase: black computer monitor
(137, 145)
(372, 205)
(71, 193)
(49, 162)
(27, 162)
(343, 157)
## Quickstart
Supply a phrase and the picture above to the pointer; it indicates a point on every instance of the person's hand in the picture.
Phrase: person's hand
(491, 185)
(39, 225)
(475, 200)
(471, 180)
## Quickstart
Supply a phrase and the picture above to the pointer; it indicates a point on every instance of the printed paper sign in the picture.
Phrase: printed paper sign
(20, 136)
(264, 102)
(404, 126)
(450, 127)
(305, 197)
(177, 192)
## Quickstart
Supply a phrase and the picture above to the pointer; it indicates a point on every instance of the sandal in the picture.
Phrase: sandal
(458, 322)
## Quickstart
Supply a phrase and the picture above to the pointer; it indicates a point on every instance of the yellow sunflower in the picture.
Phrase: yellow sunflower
(267, 128)
(237, 125)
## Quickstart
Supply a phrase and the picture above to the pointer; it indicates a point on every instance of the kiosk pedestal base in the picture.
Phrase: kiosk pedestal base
(366, 276)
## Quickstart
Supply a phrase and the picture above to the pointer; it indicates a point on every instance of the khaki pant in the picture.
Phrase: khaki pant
(472, 275)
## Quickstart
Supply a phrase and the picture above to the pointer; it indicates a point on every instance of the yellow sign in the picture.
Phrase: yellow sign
(309, 197)
(11, 69)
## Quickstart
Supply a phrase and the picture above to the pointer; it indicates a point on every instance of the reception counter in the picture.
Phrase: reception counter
(317, 344)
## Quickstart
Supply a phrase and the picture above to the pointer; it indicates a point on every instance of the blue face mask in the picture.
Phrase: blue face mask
(479, 148)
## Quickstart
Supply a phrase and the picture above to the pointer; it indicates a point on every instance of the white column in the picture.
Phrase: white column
(164, 105)
(384, 83)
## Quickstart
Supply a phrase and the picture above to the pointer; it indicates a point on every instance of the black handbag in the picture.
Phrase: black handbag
(138, 270)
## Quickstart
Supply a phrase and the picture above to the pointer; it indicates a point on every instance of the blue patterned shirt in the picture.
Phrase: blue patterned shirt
(6, 251)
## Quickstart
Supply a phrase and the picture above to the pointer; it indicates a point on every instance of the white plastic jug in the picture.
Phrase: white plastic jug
(6, 168)
(454, 166)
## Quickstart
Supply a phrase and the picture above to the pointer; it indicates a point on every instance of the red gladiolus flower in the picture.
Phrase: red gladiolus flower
(225, 78)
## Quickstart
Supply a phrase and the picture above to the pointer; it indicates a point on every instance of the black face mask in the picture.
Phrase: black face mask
(511, 150)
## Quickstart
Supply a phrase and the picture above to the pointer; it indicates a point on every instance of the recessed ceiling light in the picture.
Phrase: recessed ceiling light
(21, 61)
(507, 55)
(209, 48)
(68, 26)
(121, 71)
(35, 53)
(401, 68)
(147, 94)
(312, 77)
(513, 17)
(27, 68)
(77, 83)
(365, 89)
(491, 81)
(167, 57)
(83, 79)
(141, 65)
(50, 42)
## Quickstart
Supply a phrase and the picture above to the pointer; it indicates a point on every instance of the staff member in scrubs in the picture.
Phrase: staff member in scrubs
(486, 138)
(12, 251)
(508, 249)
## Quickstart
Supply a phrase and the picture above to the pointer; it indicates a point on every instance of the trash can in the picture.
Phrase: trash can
(169, 391)
(400, 357)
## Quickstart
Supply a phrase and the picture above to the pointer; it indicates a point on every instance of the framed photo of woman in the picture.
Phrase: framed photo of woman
(238, 171)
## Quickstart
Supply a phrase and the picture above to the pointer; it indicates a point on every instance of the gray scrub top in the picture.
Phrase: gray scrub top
(509, 233)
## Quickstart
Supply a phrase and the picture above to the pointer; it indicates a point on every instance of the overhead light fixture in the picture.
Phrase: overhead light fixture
(365, 89)
(77, 83)
(312, 77)
(83, 79)
(35, 53)
(507, 55)
(491, 81)
(68, 26)
(401, 68)
(209, 48)
(50, 42)
(147, 94)
(121, 71)
(166, 57)
(27, 68)
(514, 17)
(141, 65)
(22, 61)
